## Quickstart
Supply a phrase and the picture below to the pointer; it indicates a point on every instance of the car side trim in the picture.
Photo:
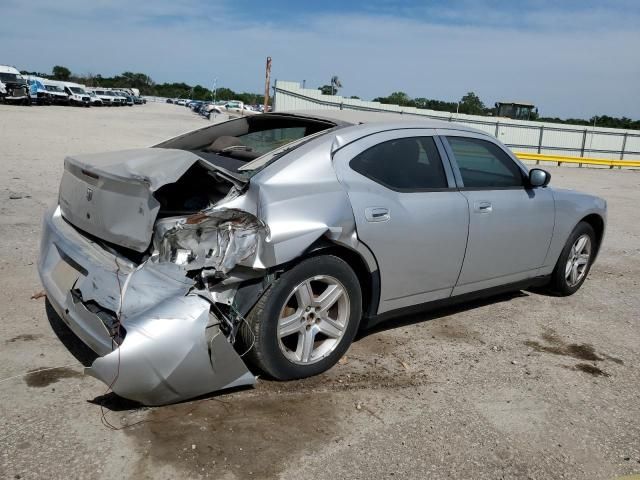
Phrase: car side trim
(372, 321)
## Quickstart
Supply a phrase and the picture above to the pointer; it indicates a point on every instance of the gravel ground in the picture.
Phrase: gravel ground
(518, 386)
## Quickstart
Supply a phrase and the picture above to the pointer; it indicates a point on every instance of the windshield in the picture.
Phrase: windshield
(77, 90)
(9, 77)
(54, 88)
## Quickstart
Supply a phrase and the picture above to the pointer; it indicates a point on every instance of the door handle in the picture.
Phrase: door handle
(482, 207)
(376, 214)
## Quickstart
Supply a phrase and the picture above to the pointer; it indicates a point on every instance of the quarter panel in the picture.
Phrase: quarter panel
(571, 207)
(300, 199)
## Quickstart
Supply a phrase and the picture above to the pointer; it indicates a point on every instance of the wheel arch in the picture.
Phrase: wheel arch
(368, 279)
(597, 223)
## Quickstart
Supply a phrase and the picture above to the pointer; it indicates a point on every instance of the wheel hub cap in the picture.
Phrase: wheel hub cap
(578, 261)
(313, 320)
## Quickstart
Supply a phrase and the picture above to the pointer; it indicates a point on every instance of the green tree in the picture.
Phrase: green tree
(326, 89)
(61, 73)
(471, 104)
(396, 98)
(438, 105)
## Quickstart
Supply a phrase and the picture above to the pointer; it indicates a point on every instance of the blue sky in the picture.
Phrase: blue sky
(571, 58)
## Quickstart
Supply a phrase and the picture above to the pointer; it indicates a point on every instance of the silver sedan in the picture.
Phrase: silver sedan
(264, 243)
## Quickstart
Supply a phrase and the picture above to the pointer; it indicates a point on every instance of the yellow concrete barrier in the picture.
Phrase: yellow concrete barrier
(560, 159)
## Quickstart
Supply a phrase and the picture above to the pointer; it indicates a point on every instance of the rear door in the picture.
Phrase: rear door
(510, 225)
(408, 212)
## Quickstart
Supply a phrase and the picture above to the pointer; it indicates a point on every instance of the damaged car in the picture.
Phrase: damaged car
(13, 86)
(264, 243)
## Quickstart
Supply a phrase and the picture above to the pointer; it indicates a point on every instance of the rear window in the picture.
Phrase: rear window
(266, 140)
(404, 164)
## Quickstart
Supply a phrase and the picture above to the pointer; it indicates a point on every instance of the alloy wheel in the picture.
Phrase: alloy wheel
(313, 320)
(578, 261)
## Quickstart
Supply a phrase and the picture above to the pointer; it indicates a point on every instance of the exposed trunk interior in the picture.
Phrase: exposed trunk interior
(196, 190)
(248, 138)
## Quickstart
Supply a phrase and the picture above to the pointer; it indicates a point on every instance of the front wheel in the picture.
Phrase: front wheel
(306, 321)
(575, 261)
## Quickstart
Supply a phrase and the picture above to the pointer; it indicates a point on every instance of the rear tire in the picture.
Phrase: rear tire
(575, 261)
(306, 320)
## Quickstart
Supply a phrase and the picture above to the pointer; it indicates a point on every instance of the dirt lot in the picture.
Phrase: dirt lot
(518, 386)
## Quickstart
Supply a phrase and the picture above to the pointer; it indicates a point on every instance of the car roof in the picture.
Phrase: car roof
(390, 120)
(354, 124)
(9, 69)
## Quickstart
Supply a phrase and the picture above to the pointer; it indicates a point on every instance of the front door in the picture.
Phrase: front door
(510, 225)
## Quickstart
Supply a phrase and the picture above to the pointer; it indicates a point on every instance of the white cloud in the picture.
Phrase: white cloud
(576, 63)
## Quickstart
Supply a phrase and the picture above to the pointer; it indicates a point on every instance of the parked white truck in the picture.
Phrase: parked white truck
(13, 86)
(77, 94)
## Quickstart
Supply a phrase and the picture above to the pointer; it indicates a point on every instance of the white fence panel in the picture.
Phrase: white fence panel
(556, 139)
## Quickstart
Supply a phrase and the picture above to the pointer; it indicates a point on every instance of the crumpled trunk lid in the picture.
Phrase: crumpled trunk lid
(110, 195)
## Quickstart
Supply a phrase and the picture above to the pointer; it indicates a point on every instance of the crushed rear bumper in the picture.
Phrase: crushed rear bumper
(170, 348)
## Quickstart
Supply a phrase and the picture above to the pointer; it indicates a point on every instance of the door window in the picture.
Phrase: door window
(483, 164)
(404, 164)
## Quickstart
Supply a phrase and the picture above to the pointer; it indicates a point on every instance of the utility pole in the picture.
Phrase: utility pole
(267, 84)
(214, 89)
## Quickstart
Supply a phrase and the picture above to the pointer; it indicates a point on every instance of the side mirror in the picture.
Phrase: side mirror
(539, 177)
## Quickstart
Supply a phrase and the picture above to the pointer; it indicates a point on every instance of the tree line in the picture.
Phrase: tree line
(471, 104)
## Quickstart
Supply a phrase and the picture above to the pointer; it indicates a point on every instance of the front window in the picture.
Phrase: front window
(9, 77)
(77, 90)
(483, 164)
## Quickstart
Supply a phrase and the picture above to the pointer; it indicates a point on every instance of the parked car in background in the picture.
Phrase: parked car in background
(77, 94)
(13, 86)
(56, 92)
(119, 98)
(102, 95)
(212, 109)
(125, 98)
(37, 91)
(95, 100)
(272, 239)
(234, 105)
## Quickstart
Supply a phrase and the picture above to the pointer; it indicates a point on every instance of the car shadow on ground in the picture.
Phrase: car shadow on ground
(436, 313)
(113, 402)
